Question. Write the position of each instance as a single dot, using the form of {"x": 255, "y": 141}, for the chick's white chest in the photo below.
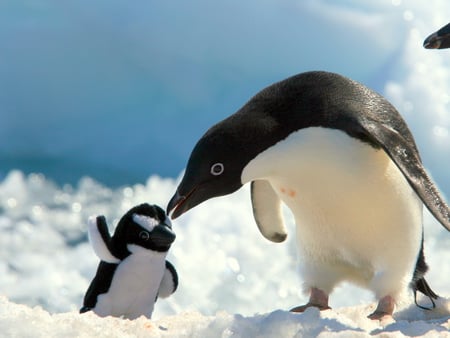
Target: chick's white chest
{"x": 135, "y": 285}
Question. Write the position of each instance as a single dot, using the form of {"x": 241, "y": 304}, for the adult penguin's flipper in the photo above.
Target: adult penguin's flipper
{"x": 407, "y": 159}
{"x": 267, "y": 211}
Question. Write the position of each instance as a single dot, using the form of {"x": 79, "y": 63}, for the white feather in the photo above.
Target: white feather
{"x": 146, "y": 222}
{"x": 357, "y": 217}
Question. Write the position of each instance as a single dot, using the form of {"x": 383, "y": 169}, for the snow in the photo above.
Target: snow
{"x": 22, "y": 321}
{"x": 233, "y": 282}
{"x": 107, "y": 92}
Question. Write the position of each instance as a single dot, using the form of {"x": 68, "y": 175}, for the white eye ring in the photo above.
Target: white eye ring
{"x": 144, "y": 235}
{"x": 217, "y": 169}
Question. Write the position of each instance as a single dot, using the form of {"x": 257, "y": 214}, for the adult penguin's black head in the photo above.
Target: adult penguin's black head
{"x": 218, "y": 162}
{"x": 439, "y": 39}
{"x": 214, "y": 168}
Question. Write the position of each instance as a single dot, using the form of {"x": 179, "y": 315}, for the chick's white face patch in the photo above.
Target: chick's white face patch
{"x": 147, "y": 222}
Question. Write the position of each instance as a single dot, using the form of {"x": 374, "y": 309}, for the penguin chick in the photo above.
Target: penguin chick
{"x": 133, "y": 271}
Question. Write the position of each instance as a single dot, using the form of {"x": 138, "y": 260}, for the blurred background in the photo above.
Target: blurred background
{"x": 120, "y": 90}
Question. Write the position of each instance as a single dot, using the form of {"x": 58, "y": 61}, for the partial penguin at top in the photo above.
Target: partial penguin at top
{"x": 343, "y": 160}
{"x": 439, "y": 39}
{"x": 133, "y": 272}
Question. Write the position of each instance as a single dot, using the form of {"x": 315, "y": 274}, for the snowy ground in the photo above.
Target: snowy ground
{"x": 232, "y": 281}
{"x": 21, "y": 321}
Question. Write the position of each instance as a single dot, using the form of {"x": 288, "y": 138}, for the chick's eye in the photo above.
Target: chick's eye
{"x": 217, "y": 169}
{"x": 144, "y": 235}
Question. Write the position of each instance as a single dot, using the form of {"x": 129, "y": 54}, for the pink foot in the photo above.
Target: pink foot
{"x": 318, "y": 299}
{"x": 384, "y": 309}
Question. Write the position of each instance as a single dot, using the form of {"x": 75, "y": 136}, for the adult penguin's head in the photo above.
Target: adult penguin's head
{"x": 439, "y": 39}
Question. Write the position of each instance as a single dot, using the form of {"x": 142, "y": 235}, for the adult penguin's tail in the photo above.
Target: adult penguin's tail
{"x": 422, "y": 286}
{"x": 419, "y": 283}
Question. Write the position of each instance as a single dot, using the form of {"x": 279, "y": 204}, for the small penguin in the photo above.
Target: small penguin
{"x": 343, "y": 160}
{"x": 439, "y": 39}
{"x": 133, "y": 271}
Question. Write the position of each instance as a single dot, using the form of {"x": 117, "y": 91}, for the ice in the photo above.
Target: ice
{"x": 85, "y": 91}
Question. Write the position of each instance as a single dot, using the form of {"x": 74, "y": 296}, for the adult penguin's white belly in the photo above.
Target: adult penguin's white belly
{"x": 357, "y": 217}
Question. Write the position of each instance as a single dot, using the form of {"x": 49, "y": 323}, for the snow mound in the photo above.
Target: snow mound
{"x": 23, "y": 321}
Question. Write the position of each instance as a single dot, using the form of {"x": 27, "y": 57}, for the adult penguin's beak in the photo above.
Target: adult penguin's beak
{"x": 439, "y": 39}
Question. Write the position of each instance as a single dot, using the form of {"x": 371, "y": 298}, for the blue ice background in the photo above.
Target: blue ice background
{"x": 121, "y": 90}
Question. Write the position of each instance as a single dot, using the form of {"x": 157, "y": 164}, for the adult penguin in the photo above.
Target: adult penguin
{"x": 439, "y": 39}
{"x": 343, "y": 160}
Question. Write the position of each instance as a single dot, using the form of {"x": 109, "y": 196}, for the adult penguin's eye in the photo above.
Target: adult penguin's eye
{"x": 144, "y": 235}
{"x": 217, "y": 169}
